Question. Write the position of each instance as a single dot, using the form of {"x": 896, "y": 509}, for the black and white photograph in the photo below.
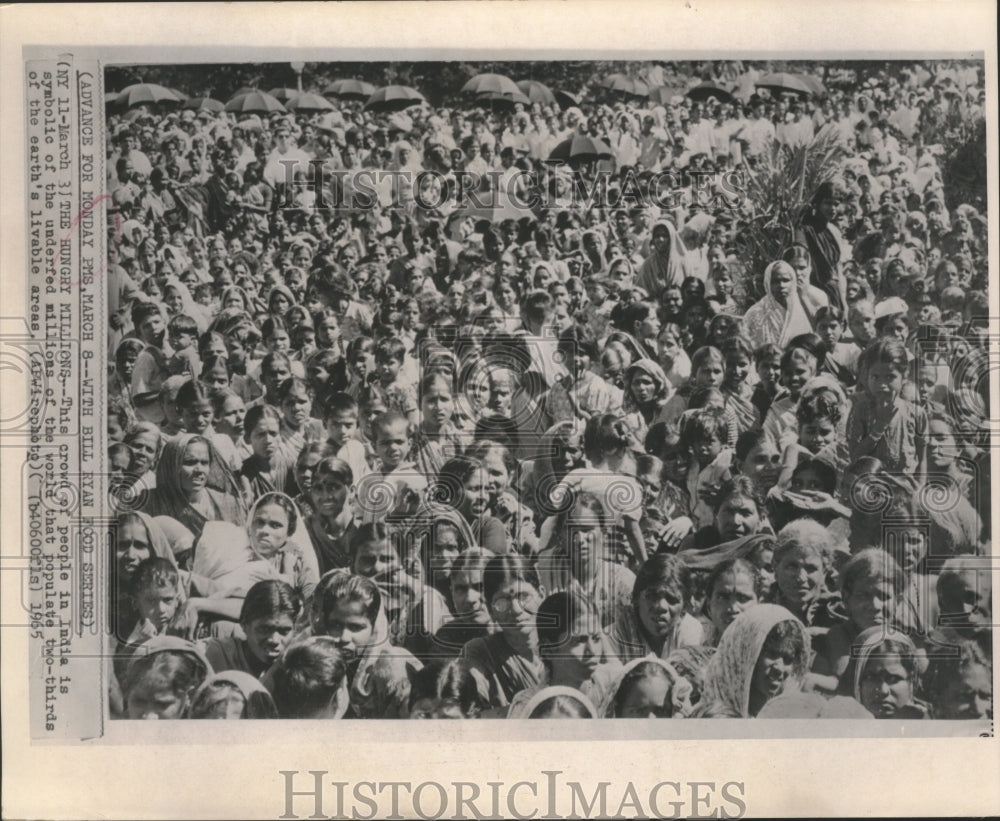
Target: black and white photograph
{"x": 505, "y": 384}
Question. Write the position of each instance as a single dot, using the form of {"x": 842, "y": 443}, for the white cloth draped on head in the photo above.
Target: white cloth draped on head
{"x": 667, "y": 267}
{"x": 729, "y": 674}
{"x": 556, "y": 691}
{"x": 767, "y": 321}
{"x": 680, "y": 687}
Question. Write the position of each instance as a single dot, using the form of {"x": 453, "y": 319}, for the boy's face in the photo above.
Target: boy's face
{"x": 392, "y": 443}
{"x": 795, "y": 375}
{"x": 158, "y": 605}
{"x": 769, "y": 370}
{"x": 341, "y": 426}
{"x": 706, "y": 448}
{"x": 816, "y": 435}
{"x": 236, "y": 350}
{"x": 388, "y": 369}
{"x": 501, "y": 391}
{"x": 152, "y": 330}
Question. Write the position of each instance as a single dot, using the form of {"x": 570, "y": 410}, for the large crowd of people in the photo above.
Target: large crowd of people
{"x": 404, "y": 422}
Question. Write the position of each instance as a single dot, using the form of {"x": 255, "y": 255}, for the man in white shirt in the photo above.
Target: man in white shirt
{"x": 285, "y": 159}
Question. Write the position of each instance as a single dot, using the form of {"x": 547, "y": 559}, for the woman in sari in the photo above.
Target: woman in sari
{"x": 666, "y": 265}
{"x": 820, "y": 236}
{"x": 763, "y": 653}
{"x": 779, "y": 316}
{"x": 194, "y": 486}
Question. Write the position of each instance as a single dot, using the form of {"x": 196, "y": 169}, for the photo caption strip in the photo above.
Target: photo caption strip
{"x": 63, "y": 526}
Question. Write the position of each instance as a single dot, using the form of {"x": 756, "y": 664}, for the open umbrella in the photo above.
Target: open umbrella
{"x": 394, "y": 98}
{"x": 625, "y": 85}
{"x": 814, "y": 83}
{"x": 567, "y": 100}
{"x": 704, "y": 91}
{"x": 255, "y": 102}
{"x": 204, "y": 104}
{"x": 495, "y": 99}
{"x": 495, "y": 83}
{"x": 349, "y": 89}
{"x": 180, "y": 95}
{"x": 537, "y": 92}
{"x": 782, "y": 82}
{"x": 144, "y": 94}
{"x": 284, "y": 94}
{"x": 110, "y": 97}
{"x": 306, "y": 101}
{"x": 580, "y": 149}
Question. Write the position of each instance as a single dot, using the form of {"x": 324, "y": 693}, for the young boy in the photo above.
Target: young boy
{"x": 400, "y": 394}
{"x": 340, "y": 419}
{"x": 703, "y": 437}
{"x": 841, "y": 357}
{"x": 275, "y": 368}
{"x": 151, "y": 365}
{"x": 183, "y": 334}
{"x": 818, "y": 414}
{"x": 798, "y": 366}
{"x": 767, "y": 360}
{"x": 407, "y": 483}
{"x": 156, "y": 595}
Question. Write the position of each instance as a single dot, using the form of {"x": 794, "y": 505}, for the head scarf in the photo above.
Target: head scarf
{"x": 664, "y": 268}
{"x": 179, "y": 538}
{"x": 552, "y": 692}
{"x": 188, "y": 306}
{"x": 170, "y": 644}
{"x": 279, "y": 288}
{"x": 223, "y": 557}
{"x": 171, "y": 498}
{"x": 159, "y": 542}
{"x": 654, "y": 372}
{"x": 730, "y": 672}
{"x": 428, "y": 516}
{"x": 680, "y": 688}
{"x": 813, "y": 705}
{"x": 767, "y": 321}
{"x": 865, "y": 645}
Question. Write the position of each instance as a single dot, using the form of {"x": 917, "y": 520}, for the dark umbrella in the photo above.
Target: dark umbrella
{"x": 144, "y": 94}
{"x": 580, "y": 149}
{"x": 623, "y": 84}
{"x": 284, "y": 94}
{"x": 537, "y": 92}
{"x": 306, "y": 101}
{"x": 783, "y": 82}
{"x": 349, "y": 89}
{"x": 255, "y": 102}
{"x": 394, "y": 98}
{"x": 567, "y": 100}
{"x": 204, "y": 104}
{"x": 494, "y": 99}
{"x": 704, "y": 91}
{"x": 493, "y": 83}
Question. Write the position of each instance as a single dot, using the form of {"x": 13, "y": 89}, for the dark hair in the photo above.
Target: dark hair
{"x": 822, "y": 403}
{"x": 747, "y": 441}
{"x": 335, "y": 403}
{"x": 282, "y": 501}
{"x": 827, "y": 473}
{"x": 152, "y": 573}
{"x": 386, "y": 420}
{"x": 191, "y": 393}
{"x": 662, "y": 568}
{"x": 555, "y": 618}
{"x": 182, "y": 324}
{"x": 742, "y": 486}
{"x": 766, "y": 352}
{"x": 785, "y": 639}
{"x": 256, "y": 415}
{"x": 257, "y": 705}
{"x": 270, "y": 597}
{"x": 734, "y": 565}
{"x": 604, "y": 433}
{"x": 644, "y": 671}
{"x": 449, "y": 681}
{"x": 308, "y": 676}
{"x": 342, "y": 585}
{"x": 449, "y": 488}
{"x": 184, "y": 671}
{"x": 506, "y": 568}
{"x": 391, "y": 348}
{"x": 578, "y": 338}
{"x": 704, "y": 423}
{"x": 886, "y": 350}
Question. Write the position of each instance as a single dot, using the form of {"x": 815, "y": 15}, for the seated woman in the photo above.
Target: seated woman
{"x": 508, "y": 661}
{"x": 883, "y": 674}
{"x": 762, "y": 654}
{"x": 573, "y": 648}
{"x": 228, "y": 561}
{"x": 656, "y": 622}
{"x": 802, "y": 553}
{"x": 194, "y": 485}
{"x": 577, "y": 560}
{"x": 738, "y": 512}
